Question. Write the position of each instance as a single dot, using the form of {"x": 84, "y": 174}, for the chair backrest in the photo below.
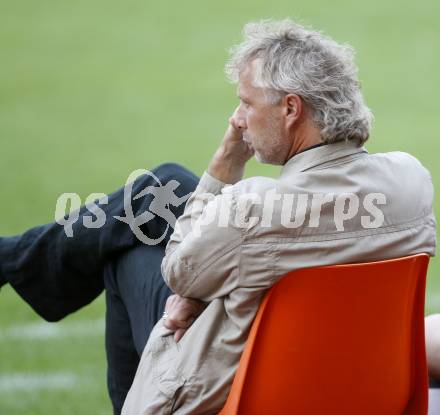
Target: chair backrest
{"x": 342, "y": 339}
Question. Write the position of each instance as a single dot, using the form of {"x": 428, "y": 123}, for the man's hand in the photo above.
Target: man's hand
{"x": 228, "y": 162}
{"x": 180, "y": 313}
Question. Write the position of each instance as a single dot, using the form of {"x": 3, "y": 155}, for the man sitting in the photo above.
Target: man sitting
{"x": 301, "y": 108}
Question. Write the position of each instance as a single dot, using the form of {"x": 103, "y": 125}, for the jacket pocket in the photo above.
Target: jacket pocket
{"x": 169, "y": 383}
{"x": 167, "y": 380}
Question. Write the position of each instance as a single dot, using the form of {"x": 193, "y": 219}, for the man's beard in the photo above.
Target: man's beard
{"x": 260, "y": 158}
{"x": 276, "y": 146}
{"x": 276, "y": 156}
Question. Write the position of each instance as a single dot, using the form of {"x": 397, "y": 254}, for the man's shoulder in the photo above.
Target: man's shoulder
{"x": 254, "y": 185}
{"x": 401, "y": 171}
{"x": 398, "y": 159}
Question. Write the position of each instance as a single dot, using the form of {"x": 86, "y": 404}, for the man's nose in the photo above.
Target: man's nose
{"x": 238, "y": 119}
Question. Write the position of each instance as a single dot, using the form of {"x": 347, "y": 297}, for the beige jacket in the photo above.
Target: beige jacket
{"x": 331, "y": 204}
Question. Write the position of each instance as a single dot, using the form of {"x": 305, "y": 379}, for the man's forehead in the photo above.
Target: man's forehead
{"x": 246, "y": 75}
{"x": 246, "y": 81}
{"x": 241, "y": 92}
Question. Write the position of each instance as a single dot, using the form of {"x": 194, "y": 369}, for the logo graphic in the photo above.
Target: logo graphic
{"x": 163, "y": 197}
{"x": 290, "y": 210}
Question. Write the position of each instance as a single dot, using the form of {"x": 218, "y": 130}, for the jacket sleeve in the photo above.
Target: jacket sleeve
{"x": 202, "y": 256}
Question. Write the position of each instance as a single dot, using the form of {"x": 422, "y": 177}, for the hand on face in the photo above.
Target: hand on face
{"x": 229, "y": 161}
{"x": 234, "y": 137}
{"x": 180, "y": 313}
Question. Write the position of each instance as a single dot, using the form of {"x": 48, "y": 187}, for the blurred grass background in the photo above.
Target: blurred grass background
{"x": 91, "y": 90}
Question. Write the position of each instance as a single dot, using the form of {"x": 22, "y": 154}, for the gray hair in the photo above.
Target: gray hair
{"x": 294, "y": 59}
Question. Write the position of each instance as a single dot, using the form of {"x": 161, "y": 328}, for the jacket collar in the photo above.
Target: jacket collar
{"x": 320, "y": 155}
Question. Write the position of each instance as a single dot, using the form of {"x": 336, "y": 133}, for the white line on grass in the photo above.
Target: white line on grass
{"x": 11, "y": 382}
{"x": 43, "y": 330}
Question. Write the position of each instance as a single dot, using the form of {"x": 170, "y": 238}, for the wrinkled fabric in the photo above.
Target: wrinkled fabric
{"x": 230, "y": 260}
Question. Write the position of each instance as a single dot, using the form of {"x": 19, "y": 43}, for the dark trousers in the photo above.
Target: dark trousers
{"x": 58, "y": 275}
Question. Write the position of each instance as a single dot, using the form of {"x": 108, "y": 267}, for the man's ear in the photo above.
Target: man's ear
{"x": 293, "y": 106}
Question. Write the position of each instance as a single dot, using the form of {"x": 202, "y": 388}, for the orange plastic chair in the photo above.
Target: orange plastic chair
{"x": 342, "y": 339}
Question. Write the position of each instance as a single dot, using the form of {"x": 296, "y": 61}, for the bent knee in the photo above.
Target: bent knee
{"x": 186, "y": 181}
{"x": 170, "y": 170}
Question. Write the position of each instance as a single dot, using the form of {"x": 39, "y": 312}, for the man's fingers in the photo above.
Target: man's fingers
{"x": 179, "y": 334}
{"x": 169, "y": 324}
{"x": 181, "y": 312}
{"x": 175, "y": 324}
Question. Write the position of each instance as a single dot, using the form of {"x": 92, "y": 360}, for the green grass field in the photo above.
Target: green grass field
{"x": 92, "y": 90}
